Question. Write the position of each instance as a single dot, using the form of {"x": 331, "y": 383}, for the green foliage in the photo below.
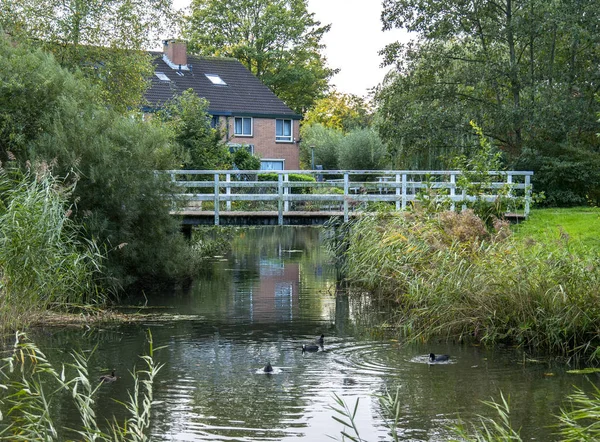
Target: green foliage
{"x": 53, "y": 116}
{"x": 524, "y": 70}
{"x": 277, "y": 40}
{"x": 203, "y": 146}
{"x": 43, "y": 260}
{"x": 568, "y": 175}
{"x": 31, "y": 415}
{"x": 477, "y": 181}
{"x": 343, "y": 112}
{"x": 491, "y": 430}
{"x": 323, "y": 143}
{"x": 105, "y": 40}
{"x": 362, "y": 149}
{"x": 294, "y": 177}
{"x": 242, "y": 159}
{"x": 447, "y": 276}
{"x": 581, "y": 423}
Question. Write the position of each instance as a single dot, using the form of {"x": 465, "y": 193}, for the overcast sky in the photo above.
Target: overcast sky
{"x": 353, "y": 41}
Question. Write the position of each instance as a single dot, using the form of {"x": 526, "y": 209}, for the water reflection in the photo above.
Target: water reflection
{"x": 276, "y": 291}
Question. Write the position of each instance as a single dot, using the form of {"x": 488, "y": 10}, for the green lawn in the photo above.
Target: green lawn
{"x": 581, "y": 224}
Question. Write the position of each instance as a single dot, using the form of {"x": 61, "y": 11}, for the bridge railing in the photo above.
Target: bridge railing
{"x": 337, "y": 191}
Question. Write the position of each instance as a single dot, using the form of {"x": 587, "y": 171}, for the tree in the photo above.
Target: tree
{"x": 187, "y": 117}
{"x": 362, "y": 149}
{"x": 526, "y": 70}
{"x": 51, "y": 117}
{"x": 105, "y": 40}
{"x": 277, "y": 40}
{"x": 339, "y": 111}
{"x": 320, "y": 145}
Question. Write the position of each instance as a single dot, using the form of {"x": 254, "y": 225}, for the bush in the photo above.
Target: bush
{"x": 362, "y": 149}
{"x": 293, "y": 177}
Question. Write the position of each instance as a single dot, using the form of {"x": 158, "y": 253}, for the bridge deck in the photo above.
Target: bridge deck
{"x": 257, "y": 218}
{"x": 271, "y": 218}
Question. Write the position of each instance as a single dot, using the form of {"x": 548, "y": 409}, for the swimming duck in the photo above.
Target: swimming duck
{"x": 268, "y": 368}
{"x": 310, "y": 348}
{"x": 108, "y": 377}
{"x": 440, "y": 358}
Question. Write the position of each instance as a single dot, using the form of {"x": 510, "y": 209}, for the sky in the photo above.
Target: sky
{"x": 353, "y": 42}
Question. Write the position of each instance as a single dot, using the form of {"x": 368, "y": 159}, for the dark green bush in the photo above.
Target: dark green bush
{"x": 294, "y": 177}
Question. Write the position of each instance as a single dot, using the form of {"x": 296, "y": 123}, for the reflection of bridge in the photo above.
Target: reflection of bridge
{"x": 308, "y": 197}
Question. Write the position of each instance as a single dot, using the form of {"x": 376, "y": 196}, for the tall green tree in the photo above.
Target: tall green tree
{"x": 104, "y": 39}
{"x": 526, "y": 70}
{"x": 277, "y": 40}
{"x": 50, "y": 116}
{"x": 187, "y": 117}
{"x": 340, "y": 111}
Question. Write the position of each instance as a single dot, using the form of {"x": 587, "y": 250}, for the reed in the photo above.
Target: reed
{"x": 32, "y": 384}
{"x": 43, "y": 260}
{"x": 581, "y": 421}
{"x": 446, "y": 275}
{"x": 488, "y": 429}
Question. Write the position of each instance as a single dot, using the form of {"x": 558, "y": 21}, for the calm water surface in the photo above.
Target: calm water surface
{"x": 274, "y": 292}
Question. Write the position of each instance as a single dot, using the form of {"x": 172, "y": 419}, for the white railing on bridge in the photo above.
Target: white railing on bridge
{"x": 343, "y": 190}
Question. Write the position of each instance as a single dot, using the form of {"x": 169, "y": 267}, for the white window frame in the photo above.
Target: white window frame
{"x": 279, "y": 160}
{"x": 242, "y": 134}
{"x": 284, "y": 138}
{"x": 216, "y": 79}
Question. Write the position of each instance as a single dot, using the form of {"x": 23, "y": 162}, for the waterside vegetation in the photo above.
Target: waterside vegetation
{"x": 446, "y": 274}
{"x": 33, "y": 385}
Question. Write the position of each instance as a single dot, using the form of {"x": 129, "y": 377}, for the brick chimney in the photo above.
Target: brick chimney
{"x": 175, "y": 51}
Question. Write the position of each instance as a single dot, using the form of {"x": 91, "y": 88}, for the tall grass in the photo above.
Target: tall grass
{"x": 446, "y": 275}
{"x": 32, "y": 385}
{"x": 43, "y": 261}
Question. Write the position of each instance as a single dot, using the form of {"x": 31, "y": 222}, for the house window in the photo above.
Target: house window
{"x": 283, "y": 130}
{"x": 243, "y": 126}
{"x": 271, "y": 164}
{"x": 214, "y": 121}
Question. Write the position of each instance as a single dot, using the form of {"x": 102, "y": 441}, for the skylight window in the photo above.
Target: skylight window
{"x": 215, "y": 79}
{"x": 161, "y": 76}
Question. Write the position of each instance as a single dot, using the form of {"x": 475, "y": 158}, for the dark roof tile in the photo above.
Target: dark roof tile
{"x": 244, "y": 94}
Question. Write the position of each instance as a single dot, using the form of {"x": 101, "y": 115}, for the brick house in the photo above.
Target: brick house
{"x": 248, "y": 112}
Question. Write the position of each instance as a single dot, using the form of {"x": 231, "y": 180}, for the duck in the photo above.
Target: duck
{"x": 268, "y": 368}
{"x": 440, "y": 358}
{"x": 108, "y": 377}
{"x": 309, "y": 348}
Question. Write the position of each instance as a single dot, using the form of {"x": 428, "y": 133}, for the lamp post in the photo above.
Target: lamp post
{"x": 312, "y": 157}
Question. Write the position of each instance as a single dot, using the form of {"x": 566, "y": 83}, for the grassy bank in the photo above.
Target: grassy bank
{"x": 581, "y": 224}
{"x": 445, "y": 274}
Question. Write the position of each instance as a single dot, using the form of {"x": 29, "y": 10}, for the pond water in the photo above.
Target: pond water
{"x": 274, "y": 292}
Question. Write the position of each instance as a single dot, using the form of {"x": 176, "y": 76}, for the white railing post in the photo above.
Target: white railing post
{"x": 228, "y": 191}
{"x": 216, "y": 195}
{"x": 346, "y": 188}
{"x": 286, "y": 191}
{"x": 398, "y": 181}
{"x": 527, "y": 194}
{"x": 452, "y": 190}
{"x": 280, "y": 199}
{"x": 404, "y": 196}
